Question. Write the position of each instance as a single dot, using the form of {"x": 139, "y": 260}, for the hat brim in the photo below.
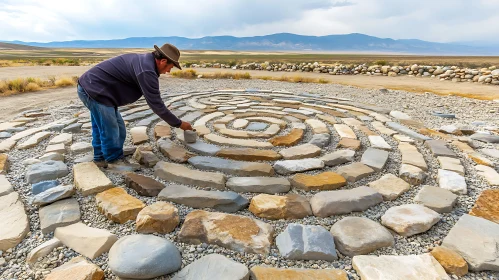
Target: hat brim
{"x": 169, "y": 58}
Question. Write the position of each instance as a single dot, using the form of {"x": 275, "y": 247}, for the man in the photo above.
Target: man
{"x": 120, "y": 81}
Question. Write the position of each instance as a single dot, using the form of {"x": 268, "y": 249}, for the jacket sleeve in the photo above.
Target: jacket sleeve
{"x": 149, "y": 84}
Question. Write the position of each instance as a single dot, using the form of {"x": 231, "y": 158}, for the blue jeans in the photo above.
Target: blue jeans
{"x": 108, "y": 129}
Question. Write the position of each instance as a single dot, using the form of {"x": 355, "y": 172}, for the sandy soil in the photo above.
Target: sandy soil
{"x": 11, "y": 105}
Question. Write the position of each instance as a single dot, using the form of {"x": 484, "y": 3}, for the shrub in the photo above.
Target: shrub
{"x": 185, "y": 74}
{"x": 323, "y": 81}
{"x": 380, "y": 62}
{"x": 17, "y": 85}
{"x": 32, "y": 87}
{"x": 3, "y": 86}
{"x": 64, "y": 82}
{"x": 300, "y": 79}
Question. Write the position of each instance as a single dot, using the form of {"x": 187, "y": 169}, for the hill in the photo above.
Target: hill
{"x": 21, "y": 47}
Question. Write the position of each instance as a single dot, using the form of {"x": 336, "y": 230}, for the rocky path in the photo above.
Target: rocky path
{"x": 284, "y": 182}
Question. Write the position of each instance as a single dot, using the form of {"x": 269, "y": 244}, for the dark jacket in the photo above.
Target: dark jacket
{"x": 123, "y": 80}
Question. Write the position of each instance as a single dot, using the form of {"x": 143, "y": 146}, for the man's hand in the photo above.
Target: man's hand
{"x": 185, "y": 126}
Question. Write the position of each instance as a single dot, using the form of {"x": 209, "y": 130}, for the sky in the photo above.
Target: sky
{"x": 443, "y": 21}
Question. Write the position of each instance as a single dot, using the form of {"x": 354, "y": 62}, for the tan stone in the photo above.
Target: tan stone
{"x": 348, "y": 143}
{"x": 248, "y": 154}
{"x": 236, "y": 142}
{"x": 274, "y": 207}
{"x": 117, "y": 205}
{"x": 238, "y": 233}
{"x": 382, "y": 128}
{"x": 411, "y": 156}
{"x": 465, "y": 148}
{"x": 366, "y": 130}
{"x": 318, "y": 127}
{"x": 301, "y": 151}
{"x": 42, "y": 250}
{"x": 328, "y": 119}
{"x": 88, "y": 241}
{"x": 479, "y": 159}
{"x": 270, "y": 273}
{"x": 173, "y": 151}
{"x": 322, "y": 181}
{"x": 34, "y": 140}
{"x": 88, "y": 178}
{"x": 139, "y": 134}
{"x": 160, "y": 217}
{"x": 487, "y": 206}
{"x": 293, "y": 137}
{"x": 162, "y": 129}
{"x": 76, "y": 269}
{"x": 14, "y": 221}
{"x": 345, "y": 131}
{"x": 182, "y": 174}
{"x": 4, "y": 163}
{"x": 451, "y": 261}
{"x": 390, "y": 186}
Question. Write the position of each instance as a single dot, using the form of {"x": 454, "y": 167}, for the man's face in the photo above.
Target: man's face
{"x": 164, "y": 67}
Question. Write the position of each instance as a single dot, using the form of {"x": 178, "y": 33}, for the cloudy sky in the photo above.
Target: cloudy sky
{"x": 430, "y": 20}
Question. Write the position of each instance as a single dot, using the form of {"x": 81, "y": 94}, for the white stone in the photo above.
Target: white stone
{"x": 400, "y": 115}
{"x": 410, "y": 219}
{"x": 452, "y": 181}
{"x": 64, "y": 138}
{"x": 379, "y": 143}
{"x": 34, "y": 140}
{"x": 240, "y": 123}
{"x": 489, "y": 173}
{"x": 81, "y": 147}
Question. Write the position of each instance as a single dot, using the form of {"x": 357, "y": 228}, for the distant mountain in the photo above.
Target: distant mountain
{"x": 19, "y": 47}
{"x": 284, "y": 42}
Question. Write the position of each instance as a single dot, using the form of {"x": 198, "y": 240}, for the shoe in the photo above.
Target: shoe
{"x": 101, "y": 163}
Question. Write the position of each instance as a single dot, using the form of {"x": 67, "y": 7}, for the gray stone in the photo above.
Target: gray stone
{"x": 412, "y": 174}
{"x": 254, "y": 126}
{"x": 338, "y": 157}
{"x": 15, "y": 223}
{"x": 58, "y": 214}
{"x": 329, "y": 203}
{"x": 43, "y": 186}
{"x": 360, "y": 236}
{"x": 86, "y": 158}
{"x": 476, "y": 240}
{"x": 301, "y": 151}
{"x": 320, "y": 140}
{"x": 410, "y": 219}
{"x": 56, "y": 127}
{"x": 52, "y": 156}
{"x": 181, "y": 174}
{"x": 407, "y": 131}
{"x": 222, "y": 201}
{"x": 5, "y": 186}
{"x": 400, "y": 115}
{"x": 53, "y": 194}
{"x": 4, "y": 135}
{"x": 213, "y": 266}
{"x": 452, "y": 181}
{"x": 239, "y": 168}
{"x": 374, "y": 158}
{"x": 47, "y": 170}
{"x": 355, "y": 171}
{"x": 379, "y": 143}
{"x": 438, "y": 148}
{"x": 305, "y": 242}
{"x": 143, "y": 256}
{"x": 488, "y": 138}
{"x": 148, "y": 121}
{"x": 270, "y": 185}
{"x": 199, "y": 147}
{"x": 42, "y": 250}
{"x": 437, "y": 199}
{"x": 444, "y": 115}
{"x": 138, "y": 115}
{"x": 73, "y": 128}
{"x": 285, "y": 167}
{"x": 81, "y": 147}
{"x": 490, "y": 152}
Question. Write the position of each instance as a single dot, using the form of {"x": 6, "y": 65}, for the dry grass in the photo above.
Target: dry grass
{"x": 185, "y": 74}
{"x": 20, "y": 85}
{"x": 65, "y": 82}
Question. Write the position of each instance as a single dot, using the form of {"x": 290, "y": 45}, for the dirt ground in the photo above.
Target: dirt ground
{"x": 11, "y": 105}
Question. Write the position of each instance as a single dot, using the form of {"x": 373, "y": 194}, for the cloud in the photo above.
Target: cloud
{"x": 57, "y": 20}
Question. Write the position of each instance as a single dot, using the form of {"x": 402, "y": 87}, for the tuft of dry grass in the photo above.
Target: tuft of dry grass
{"x": 323, "y": 81}
{"x": 32, "y": 87}
{"x": 20, "y": 85}
{"x": 64, "y": 82}
{"x": 185, "y": 74}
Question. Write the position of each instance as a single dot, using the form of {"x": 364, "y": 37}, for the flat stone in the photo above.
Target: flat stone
{"x": 160, "y": 217}
{"x": 88, "y": 241}
{"x": 56, "y": 148}
{"x": 407, "y": 131}
{"x": 162, "y": 130}
{"x": 81, "y": 147}
{"x": 403, "y": 138}
{"x": 72, "y": 128}
{"x": 42, "y": 250}
{"x": 88, "y": 178}
{"x": 240, "y": 123}
{"x": 320, "y": 140}
{"x": 400, "y": 115}
{"x": 213, "y": 266}
{"x": 12, "y": 213}
{"x": 338, "y": 157}
{"x": 118, "y": 206}
{"x": 360, "y": 236}
{"x": 301, "y": 151}
{"x": 59, "y": 214}
{"x": 329, "y": 203}
{"x": 452, "y": 181}
{"x": 326, "y": 118}
{"x": 63, "y": 138}
{"x": 490, "y": 152}
{"x": 34, "y": 140}
{"x": 437, "y": 199}
{"x": 77, "y": 268}
{"x": 382, "y": 129}
{"x": 410, "y": 219}
{"x": 489, "y": 173}
{"x": 264, "y": 273}
{"x": 451, "y": 261}
{"x": 157, "y": 256}
{"x": 248, "y": 154}
{"x": 52, "y": 156}
{"x": 292, "y": 138}
{"x": 181, "y": 174}
{"x": 43, "y": 186}
{"x": 411, "y": 267}
{"x": 285, "y": 167}
{"x": 375, "y": 158}
{"x": 147, "y": 158}
{"x": 485, "y": 236}
{"x": 486, "y": 206}
{"x": 47, "y": 170}
{"x": 379, "y": 143}
{"x": 148, "y": 121}
{"x": 443, "y": 115}
{"x": 451, "y": 164}
{"x": 53, "y": 194}
{"x": 274, "y": 207}
{"x": 318, "y": 127}
{"x": 438, "y": 148}
{"x": 390, "y": 186}
{"x": 240, "y": 168}
{"x": 306, "y": 242}
{"x": 270, "y": 185}
{"x": 220, "y": 140}
{"x": 221, "y": 201}
{"x": 322, "y": 181}
{"x": 4, "y": 135}
{"x": 412, "y": 174}
{"x": 5, "y": 186}
{"x": 173, "y": 151}
{"x": 143, "y": 185}
{"x": 481, "y": 160}
{"x": 255, "y": 126}
{"x": 238, "y": 233}
{"x": 139, "y": 135}
{"x": 344, "y": 131}
{"x": 411, "y": 155}
{"x": 348, "y": 143}
{"x": 352, "y": 122}
{"x": 450, "y": 129}
{"x": 355, "y": 171}
{"x": 487, "y": 138}
{"x": 7, "y": 145}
